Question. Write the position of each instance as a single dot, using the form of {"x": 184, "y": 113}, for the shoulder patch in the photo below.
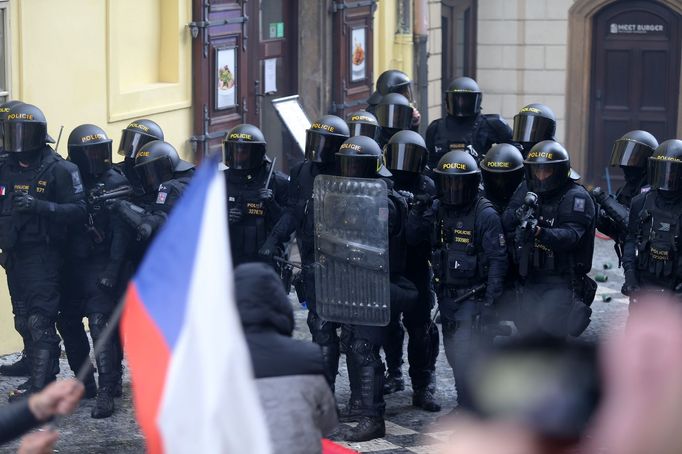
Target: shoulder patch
{"x": 503, "y": 241}
{"x": 163, "y": 188}
{"x": 76, "y": 181}
{"x": 579, "y": 204}
{"x": 161, "y": 197}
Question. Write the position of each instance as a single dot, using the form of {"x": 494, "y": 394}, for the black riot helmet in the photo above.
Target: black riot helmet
{"x": 360, "y": 157}
{"x": 394, "y": 81}
{"x": 244, "y": 148}
{"x": 25, "y": 129}
{"x": 323, "y": 139}
{"x": 501, "y": 171}
{"x": 457, "y": 178}
{"x": 547, "y": 166}
{"x": 394, "y": 112}
{"x": 156, "y": 162}
{"x": 463, "y": 98}
{"x": 665, "y": 166}
{"x": 633, "y": 149}
{"x": 4, "y": 110}
{"x": 136, "y": 135}
{"x": 363, "y": 123}
{"x": 90, "y": 149}
{"x": 534, "y": 123}
{"x": 406, "y": 153}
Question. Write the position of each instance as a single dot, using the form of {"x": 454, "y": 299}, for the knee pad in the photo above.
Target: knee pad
{"x": 21, "y": 325}
{"x": 323, "y": 332}
{"x": 364, "y": 352}
{"x": 42, "y": 329}
{"x": 97, "y": 323}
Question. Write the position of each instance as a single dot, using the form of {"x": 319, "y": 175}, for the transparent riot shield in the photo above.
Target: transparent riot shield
{"x": 351, "y": 250}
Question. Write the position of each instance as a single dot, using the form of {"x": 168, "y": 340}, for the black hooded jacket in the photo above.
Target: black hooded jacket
{"x": 268, "y": 321}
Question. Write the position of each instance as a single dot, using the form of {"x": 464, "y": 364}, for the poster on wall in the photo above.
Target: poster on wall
{"x": 358, "y": 54}
{"x": 226, "y": 78}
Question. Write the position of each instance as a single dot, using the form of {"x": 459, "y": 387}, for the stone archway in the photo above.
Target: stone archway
{"x": 579, "y": 65}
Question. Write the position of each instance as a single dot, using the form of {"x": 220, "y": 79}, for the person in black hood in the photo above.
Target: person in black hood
{"x": 289, "y": 373}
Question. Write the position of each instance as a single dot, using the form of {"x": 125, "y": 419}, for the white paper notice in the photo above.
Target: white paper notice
{"x": 270, "y": 75}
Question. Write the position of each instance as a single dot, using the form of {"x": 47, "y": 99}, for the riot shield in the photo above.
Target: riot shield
{"x": 351, "y": 250}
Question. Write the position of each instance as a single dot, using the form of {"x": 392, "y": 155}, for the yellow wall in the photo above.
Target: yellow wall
{"x": 391, "y": 50}
{"x": 101, "y": 62}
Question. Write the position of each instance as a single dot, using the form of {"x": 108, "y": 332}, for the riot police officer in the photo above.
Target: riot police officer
{"x": 533, "y": 124}
{"x": 501, "y": 172}
{"x": 631, "y": 153}
{"x": 394, "y": 114}
{"x": 469, "y": 257}
{"x": 323, "y": 139}
{"x": 394, "y": 81}
{"x": 465, "y": 126}
{"x": 163, "y": 175}
{"x": 363, "y": 123}
{"x": 406, "y": 158}
{"x": 133, "y": 137}
{"x": 552, "y": 220}
{"x": 41, "y": 194}
{"x": 96, "y": 252}
{"x": 361, "y": 157}
{"x": 256, "y": 193}
{"x": 651, "y": 256}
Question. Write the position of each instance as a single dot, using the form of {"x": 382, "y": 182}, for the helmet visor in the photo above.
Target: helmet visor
{"x": 322, "y": 148}
{"x": 24, "y": 136}
{"x": 364, "y": 129}
{"x": 359, "y": 166}
{"x": 91, "y": 159}
{"x": 243, "y": 155}
{"x": 629, "y": 154}
{"x": 153, "y": 173}
{"x": 546, "y": 177}
{"x": 533, "y": 128}
{"x": 463, "y": 103}
{"x": 132, "y": 141}
{"x": 394, "y": 116}
{"x": 501, "y": 185}
{"x": 665, "y": 175}
{"x": 407, "y": 157}
{"x": 406, "y": 91}
{"x": 458, "y": 189}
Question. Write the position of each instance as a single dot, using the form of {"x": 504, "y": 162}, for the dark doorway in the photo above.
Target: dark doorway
{"x": 244, "y": 55}
{"x": 635, "y": 79}
{"x": 458, "y": 21}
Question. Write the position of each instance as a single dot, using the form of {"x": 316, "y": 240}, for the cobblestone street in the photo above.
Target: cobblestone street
{"x": 408, "y": 430}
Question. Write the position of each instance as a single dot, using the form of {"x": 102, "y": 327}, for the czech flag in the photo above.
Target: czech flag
{"x": 192, "y": 378}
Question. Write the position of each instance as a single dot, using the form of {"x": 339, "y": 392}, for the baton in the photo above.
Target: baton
{"x": 272, "y": 168}
{"x": 59, "y": 137}
{"x": 287, "y": 262}
{"x": 457, "y": 300}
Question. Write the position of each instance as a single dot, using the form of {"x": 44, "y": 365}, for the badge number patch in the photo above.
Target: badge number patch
{"x": 579, "y": 205}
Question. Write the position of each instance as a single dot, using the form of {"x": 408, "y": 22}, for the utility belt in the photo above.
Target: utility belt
{"x": 458, "y": 268}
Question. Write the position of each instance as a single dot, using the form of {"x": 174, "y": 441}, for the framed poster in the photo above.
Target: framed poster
{"x": 358, "y": 48}
{"x": 226, "y": 78}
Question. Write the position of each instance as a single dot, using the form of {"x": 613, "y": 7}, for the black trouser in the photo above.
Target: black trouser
{"x": 84, "y": 297}
{"x": 545, "y": 304}
{"x": 33, "y": 279}
{"x": 422, "y": 347}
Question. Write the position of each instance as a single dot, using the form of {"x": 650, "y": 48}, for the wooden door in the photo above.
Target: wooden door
{"x": 458, "y": 32}
{"x": 635, "y": 79}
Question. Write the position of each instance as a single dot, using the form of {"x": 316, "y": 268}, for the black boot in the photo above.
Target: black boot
{"x": 104, "y": 405}
{"x": 394, "y": 381}
{"x": 368, "y": 428}
{"x": 371, "y": 424}
{"x": 20, "y": 368}
{"x": 42, "y": 372}
{"x": 353, "y": 410}
{"x": 330, "y": 358}
{"x": 424, "y": 399}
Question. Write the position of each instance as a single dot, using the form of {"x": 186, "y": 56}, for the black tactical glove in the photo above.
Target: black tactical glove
{"x": 265, "y": 194}
{"x": 235, "y": 215}
{"x": 268, "y": 249}
{"x": 631, "y": 284}
{"x": 26, "y": 203}
{"x": 132, "y": 214}
{"x": 109, "y": 277}
{"x": 144, "y": 231}
{"x": 408, "y": 195}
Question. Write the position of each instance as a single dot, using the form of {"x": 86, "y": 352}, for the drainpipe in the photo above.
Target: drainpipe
{"x": 421, "y": 35}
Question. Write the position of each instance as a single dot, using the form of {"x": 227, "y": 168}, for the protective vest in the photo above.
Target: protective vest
{"x": 577, "y": 261}
{"x": 658, "y": 241}
{"x": 459, "y": 261}
{"x": 248, "y": 235}
{"x": 23, "y": 227}
{"x": 458, "y": 138}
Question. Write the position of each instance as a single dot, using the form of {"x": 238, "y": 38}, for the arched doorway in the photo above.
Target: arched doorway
{"x": 635, "y": 77}
{"x": 625, "y": 76}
